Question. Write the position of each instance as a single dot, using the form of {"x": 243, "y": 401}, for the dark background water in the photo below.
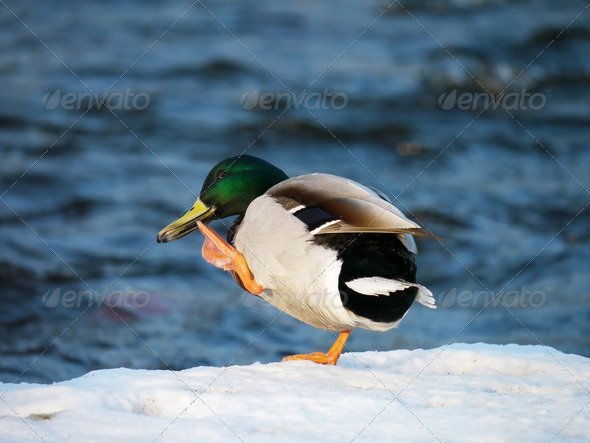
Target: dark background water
{"x": 84, "y": 192}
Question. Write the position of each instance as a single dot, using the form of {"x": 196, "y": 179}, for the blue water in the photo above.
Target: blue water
{"x": 84, "y": 192}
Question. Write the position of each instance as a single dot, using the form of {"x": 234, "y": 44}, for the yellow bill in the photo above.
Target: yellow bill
{"x": 185, "y": 224}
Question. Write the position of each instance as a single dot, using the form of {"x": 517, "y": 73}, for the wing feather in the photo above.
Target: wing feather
{"x": 358, "y": 208}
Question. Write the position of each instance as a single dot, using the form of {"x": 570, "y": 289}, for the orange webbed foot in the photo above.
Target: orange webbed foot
{"x": 220, "y": 253}
{"x": 213, "y": 255}
{"x": 325, "y": 359}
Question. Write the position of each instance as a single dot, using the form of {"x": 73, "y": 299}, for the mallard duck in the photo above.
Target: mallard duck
{"x": 326, "y": 250}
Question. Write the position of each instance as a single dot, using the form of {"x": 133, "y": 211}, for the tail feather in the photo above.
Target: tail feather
{"x": 376, "y": 286}
{"x": 425, "y": 297}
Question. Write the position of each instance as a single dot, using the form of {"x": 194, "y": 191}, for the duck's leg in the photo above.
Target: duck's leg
{"x": 325, "y": 359}
{"x": 220, "y": 253}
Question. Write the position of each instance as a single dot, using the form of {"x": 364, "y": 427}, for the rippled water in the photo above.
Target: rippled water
{"x": 87, "y": 190}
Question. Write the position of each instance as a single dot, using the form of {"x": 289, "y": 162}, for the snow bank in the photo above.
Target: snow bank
{"x": 460, "y": 393}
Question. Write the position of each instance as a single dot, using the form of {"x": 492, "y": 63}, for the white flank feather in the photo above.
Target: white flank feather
{"x": 319, "y": 228}
{"x": 408, "y": 241}
{"x": 374, "y": 286}
{"x": 296, "y": 208}
{"x": 377, "y": 285}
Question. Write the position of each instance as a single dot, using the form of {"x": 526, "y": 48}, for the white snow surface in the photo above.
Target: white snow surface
{"x": 475, "y": 392}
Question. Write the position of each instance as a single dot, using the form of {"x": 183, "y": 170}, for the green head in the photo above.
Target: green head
{"x": 228, "y": 189}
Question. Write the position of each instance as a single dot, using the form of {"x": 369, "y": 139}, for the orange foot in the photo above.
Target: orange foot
{"x": 325, "y": 359}
{"x": 220, "y": 253}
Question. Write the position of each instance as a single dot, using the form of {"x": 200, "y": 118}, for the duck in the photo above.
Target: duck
{"x": 324, "y": 249}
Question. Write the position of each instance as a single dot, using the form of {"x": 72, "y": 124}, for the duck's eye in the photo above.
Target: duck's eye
{"x": 221, "y": 174}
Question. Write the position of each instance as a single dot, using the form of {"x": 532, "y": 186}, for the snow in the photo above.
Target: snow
{"x": 457, "y": 393}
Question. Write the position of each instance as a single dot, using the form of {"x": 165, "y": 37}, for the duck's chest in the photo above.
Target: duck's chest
{"x": 299, "y": 276}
